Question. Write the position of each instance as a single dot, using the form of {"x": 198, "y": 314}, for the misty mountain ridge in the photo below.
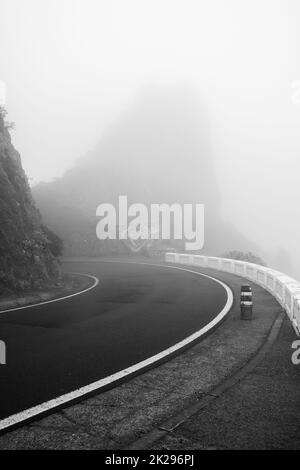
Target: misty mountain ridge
{"x": 159, "y": 151}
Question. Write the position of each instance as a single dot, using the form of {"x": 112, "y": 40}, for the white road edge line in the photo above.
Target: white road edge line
{"x": 63, "y": 399}
{"x": 96, "y": 282}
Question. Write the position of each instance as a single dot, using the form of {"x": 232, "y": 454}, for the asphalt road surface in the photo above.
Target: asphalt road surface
{"x": 135, "y": 312}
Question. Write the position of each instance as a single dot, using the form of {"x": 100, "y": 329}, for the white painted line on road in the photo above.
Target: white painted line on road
{"x": 63, "y": 399}
{"x": 96, "y": 282}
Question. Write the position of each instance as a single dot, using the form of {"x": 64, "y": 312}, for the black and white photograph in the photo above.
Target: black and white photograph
{"x": 149, "y": 228}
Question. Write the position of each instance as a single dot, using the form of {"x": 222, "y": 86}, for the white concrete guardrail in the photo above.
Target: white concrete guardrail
{"x": 284, "y": 288}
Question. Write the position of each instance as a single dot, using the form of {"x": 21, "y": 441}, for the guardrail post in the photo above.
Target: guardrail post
{"x": 246, "y": 302}
{"x": 2, "y": 353}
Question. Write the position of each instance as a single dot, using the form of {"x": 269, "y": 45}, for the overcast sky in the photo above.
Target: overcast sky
{"x": 71, "y": 66}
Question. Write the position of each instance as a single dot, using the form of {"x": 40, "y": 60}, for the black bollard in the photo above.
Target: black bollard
{"x": 246, "y": 302}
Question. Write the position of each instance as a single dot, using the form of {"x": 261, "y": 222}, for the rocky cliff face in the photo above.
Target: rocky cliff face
{"x": 25, "y": 250}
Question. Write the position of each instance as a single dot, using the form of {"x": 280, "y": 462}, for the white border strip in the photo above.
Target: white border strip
{"x": 63, "y": 399}
{"x": 96, "y": 282}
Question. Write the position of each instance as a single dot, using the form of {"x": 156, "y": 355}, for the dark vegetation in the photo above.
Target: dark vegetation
{"x": 250, "y": 257}
{"x": 28, "y": 249}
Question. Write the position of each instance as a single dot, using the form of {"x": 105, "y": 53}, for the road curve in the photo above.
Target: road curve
{"x": 135, "y": 312}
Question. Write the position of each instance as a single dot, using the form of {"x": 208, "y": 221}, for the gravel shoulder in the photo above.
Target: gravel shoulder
{"x": 69, "y": 284}
{"x": 260, "y": 412}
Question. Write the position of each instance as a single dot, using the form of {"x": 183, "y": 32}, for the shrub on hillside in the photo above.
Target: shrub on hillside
{"x": 240, "y": 255}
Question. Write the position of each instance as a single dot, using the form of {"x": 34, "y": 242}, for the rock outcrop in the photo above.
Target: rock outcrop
{"x": 26, "y": 260}
{"x": 159, "y": 151}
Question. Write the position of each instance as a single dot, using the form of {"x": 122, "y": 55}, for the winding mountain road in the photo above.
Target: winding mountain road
{"x": 135, "y": 312}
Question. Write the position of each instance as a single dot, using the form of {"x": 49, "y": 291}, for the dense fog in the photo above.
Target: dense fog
{"x": 193, "y": 100}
